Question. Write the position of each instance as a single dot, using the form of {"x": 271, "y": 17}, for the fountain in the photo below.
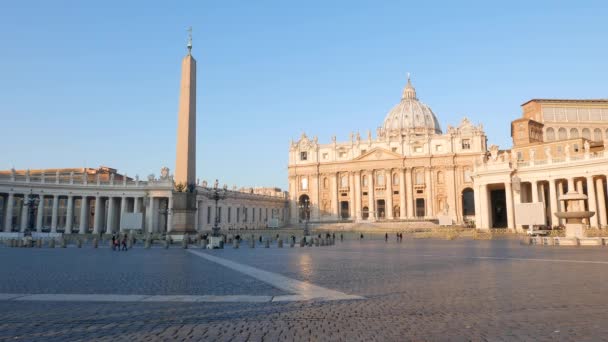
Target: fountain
{"x": 575, "y": 213}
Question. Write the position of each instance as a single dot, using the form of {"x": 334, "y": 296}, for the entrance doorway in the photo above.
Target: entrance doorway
{"x": 420, "y": 207}
{"x": 344, "y": 212}
{"x": 381, "y": 209}
{"x": 499, "y": 209}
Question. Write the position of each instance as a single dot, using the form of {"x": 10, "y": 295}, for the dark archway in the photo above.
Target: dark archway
{"x": 365, "y": 213}
{"x": 304, "y": 206}
{"x": 344, "y": 210}
{"x": 468, "y": 202}
{"x": 499, "y": 209}
{"x": 380, "y": 204}
{"x": 420, "y": 207}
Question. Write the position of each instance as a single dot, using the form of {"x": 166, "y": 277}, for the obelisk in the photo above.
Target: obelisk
{"x": 184, "y": 194}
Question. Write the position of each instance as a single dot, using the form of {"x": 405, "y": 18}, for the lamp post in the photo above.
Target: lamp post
{"x": 216, "y": 194}
{"x": 166, "y": 211}
{"x": 305, "y": 212}
{"x": 32, "y": 203}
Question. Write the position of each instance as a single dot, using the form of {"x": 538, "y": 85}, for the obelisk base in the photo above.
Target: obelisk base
{"x": 184, "y": 213}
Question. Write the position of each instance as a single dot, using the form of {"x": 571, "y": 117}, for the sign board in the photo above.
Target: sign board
{"x": 531, "y": 214}
{"x": 132, "y": 221}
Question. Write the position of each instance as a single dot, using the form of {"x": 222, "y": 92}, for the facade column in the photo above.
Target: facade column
{"x": 409, "y": 200}
{"x": 534, "y": 191}
{"x": 516, "y": 200}
{"x": 485, "y": 218}
{"x": 8, "y": 216}
{"x": 553, "y": 201}
{"x": 198, "y": 213}
{"x": 136, "y": 205}
{"x": 170, "y": 213}
{"x": 69, "y": 217}
{"x": 150, "y": 213}
{"x": 593, "y": 220}
{"x": 54, "y": 214}
{"x": 82, "y": 229}
{"x": 389, "y": 193}
{"x": 110, "y": 220}
{"x": 335, "y": 204}
{"x": 402, "y": 205}
{"x": 351, "y": 193}
{"x": 24, "y": 214}
{"x": 370, "y": 197}
{"x": 429, "y": 196}
{"x": 601, "y": 202}
{"x": 579, "y": 189}
{"x": 123, "y": 211}
{"x": 510, "y": 211}
{"x": 40, "y": 213}
{"x": 357, "y": 196}
{"x": 98, "y": 217}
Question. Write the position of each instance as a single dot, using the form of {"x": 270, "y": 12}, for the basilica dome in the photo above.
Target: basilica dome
{"x": 410, "y": 115}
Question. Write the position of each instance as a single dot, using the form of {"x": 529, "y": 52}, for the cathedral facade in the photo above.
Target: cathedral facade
{"x": 411, "y": 170}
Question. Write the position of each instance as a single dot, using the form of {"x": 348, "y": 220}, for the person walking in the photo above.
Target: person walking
{"x": 124, "y": 242}
{"x": 341, "y": 237}
{"x": 385, "y": 237}
{"x": 113, "y": 242}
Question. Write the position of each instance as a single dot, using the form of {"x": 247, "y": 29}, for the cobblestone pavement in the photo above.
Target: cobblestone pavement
{"x": 418, "y": 290}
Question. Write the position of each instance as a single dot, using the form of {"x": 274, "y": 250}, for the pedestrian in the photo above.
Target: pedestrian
{"x": 113, "y": 242}
{"x": 333, "y": 236}
{"x": 361, "y": 237}
{"x": 117, "y": 244}
{"x": 341, "y": 237}
{"x": 385, "y": 237}
{"x": 260, "y": 238}
{"x": 124, "y": 242}
{"x": 400, "y": 237}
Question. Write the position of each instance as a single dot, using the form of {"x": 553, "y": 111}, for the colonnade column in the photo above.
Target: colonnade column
{"x": 370, "y": 197}
{"x": 24, "y": 214}
{"x": 150, "y": 214}
{"x": 54, "y": 214}
{"x": 484, "y": 219}
{"x": 357, "y": 196}
{"x": 409, "y": 199}
{"x": 8, "y": 216}
{"x": 516, "y": 201}
{"x": 534, "y": 191}
{"x": 579, "y": 189}
{"x": 389, "y": 194}
{"x": 402, "y": 205}
{"x": 601, "y": 202}
{"x": 429, "y": 196}
{"x": 123, "y": 210}
{"x": 170, "y": 213}
{"x": 593, "y": 220}
{"x": 136, "y": 205}
{"x": 40, "y": 213}
{"x": 110, "y": 219}
{"x": 510, "y": 211}
{"x": 69, "y": 216}
{"x": 83, "y": 215}
{"x": 553, "y": 202}
{"x": 97, "y": 218}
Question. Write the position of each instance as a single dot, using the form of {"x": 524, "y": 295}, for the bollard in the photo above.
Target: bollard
{"x": 267, "y": 244}
{"x": 52, "y": 243}
{"x": 95, "y": 243}
{"x": 280, "y": 243}
{"x": 39, "y": 243}
{"x": 235, "y": 244}
{"x": 63, "y": 243}
{"x": 79, "y": 243}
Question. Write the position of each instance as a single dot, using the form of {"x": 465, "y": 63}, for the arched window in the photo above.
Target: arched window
{"x": 573, "y": 133}
{"x": 597, "y": 134}
{"x": 440, "y": 177}
{"x": 550, "y": 134}
{"x": 364, "y": 180}
{"x": 380, "y": 178}
{"x": 586, "y": 133}
{"x": 325, "y": 183}
{"x": 304, "y": 183}
{"x": 561, "y": 134}
{"x": 395, "y": 179}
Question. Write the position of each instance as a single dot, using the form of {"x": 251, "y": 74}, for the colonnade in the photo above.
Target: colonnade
{"x": 547, "y": 191}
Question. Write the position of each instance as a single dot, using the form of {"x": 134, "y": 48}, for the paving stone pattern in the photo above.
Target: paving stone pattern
{"x": 420, "y": 290}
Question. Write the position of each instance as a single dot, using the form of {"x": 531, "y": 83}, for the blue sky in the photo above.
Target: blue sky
{"x": 87, "y": 83}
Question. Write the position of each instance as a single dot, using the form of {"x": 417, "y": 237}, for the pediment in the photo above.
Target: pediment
{"x": 378, "y": 154}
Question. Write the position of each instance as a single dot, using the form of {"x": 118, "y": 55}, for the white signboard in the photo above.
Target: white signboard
{"x": 531, "y": 214}
{"x": 132, "y": 221}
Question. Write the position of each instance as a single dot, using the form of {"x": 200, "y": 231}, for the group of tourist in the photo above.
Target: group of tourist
{"x": 119, "y": 244}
